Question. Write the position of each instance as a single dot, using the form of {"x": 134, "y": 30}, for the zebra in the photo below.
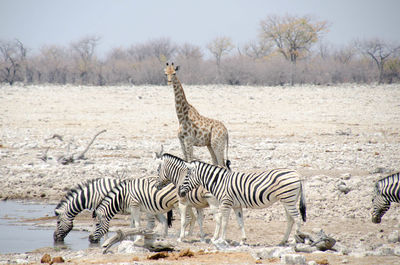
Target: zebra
{"x": 173, "y": 169}
{"x": 85, "y": 196}
{"x": 249, "y": 190}
{"x": 137, "y": 194}
{"x": 386, "y": 190}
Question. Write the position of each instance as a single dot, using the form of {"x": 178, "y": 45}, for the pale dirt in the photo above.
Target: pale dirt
{"x": 346, "y": 134}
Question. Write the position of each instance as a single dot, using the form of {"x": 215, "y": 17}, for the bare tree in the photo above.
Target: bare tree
{"x": 292, "y": 36}
{"x": 219, "y": 47}
{"x": 85, "y": 56}
{"x": 13, "y": 56}
{"x": 379, "y": 51}
{"x": 257, "y": 49}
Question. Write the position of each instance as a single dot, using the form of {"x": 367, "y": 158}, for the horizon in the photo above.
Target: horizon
{"x": 125, "y": 23}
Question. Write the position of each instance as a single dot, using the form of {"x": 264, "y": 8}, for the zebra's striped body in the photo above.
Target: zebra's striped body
{"x": 137, "y": 194}
{"x": 386, "y": 190}
{"x": 85, "y": 196}
{"x": 248, "y": 190}
{"x": 173, "y": 169}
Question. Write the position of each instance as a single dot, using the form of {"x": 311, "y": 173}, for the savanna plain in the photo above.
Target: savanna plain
{"x": 340, "y": 138}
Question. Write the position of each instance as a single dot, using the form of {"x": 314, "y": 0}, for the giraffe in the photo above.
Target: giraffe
{"x": 195, "y": 129}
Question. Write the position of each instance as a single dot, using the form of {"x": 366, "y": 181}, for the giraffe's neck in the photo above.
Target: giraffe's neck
{"x": 181, "y": 104}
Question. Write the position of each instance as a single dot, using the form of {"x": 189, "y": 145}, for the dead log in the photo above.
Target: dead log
{"x": 150, "y": 241}
{"x": 68, "y": 159}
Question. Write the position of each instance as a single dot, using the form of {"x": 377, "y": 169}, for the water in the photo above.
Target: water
{"x": 19, "y": 236}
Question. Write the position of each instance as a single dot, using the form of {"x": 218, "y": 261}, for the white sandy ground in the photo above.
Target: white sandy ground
{"x": 333, "y": 135}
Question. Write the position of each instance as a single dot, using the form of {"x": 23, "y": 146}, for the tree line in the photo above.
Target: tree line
{"x": 288, "y": 50}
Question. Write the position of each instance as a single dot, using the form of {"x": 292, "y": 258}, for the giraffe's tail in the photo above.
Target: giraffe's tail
{"x": 228, "y": 162}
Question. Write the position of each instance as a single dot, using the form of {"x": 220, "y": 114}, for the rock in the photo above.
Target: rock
{"x": 271, "y": 252}
{"x": 58, "y": 260}
{"x": 293, "y": 259}
{"x": 159, "y": 255}
{"x": 385, "y": 251}
{"x": 186, "y": 253}
{"x": 394, "y": 237}
{"x": 46, "y": 258}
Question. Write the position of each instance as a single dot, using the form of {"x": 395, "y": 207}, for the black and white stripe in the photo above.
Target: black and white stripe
{"x": 85, "y": 196}
{"x": 386, "y": 190}
{"x": 173, "y": 169}
{"x": 248, "y": 190}
{"x": 136, "y": 194}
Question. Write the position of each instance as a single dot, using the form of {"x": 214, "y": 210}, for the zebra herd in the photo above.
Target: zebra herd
{"x": 198, "y": 185}
{"x": 191, "y": 185}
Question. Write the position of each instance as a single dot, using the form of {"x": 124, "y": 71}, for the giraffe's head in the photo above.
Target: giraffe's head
{"x": 170, "y": 71}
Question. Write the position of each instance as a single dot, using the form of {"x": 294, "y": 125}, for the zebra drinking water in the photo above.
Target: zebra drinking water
{"x": 137, "y": 194}
{"x": 249, "y": 190}
{"x": 386, "y": 190}
{"x": 84, "y": 196}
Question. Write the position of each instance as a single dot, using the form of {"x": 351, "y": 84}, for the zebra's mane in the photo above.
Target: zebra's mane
{"x": 394, "y": 177}
{"x": 72, "y": 192}
{"x": 173, "y": 157}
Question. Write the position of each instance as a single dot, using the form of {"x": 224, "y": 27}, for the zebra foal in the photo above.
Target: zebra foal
{"x": 249, "y": 190}
{"x": 386, "y": 190}
{"x": 136, "y": 194}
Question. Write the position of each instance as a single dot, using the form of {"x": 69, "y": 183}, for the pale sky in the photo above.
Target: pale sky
{"x": 125, "y": 22}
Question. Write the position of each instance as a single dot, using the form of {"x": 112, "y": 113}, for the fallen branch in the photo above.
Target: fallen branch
{"x": 149, "y": 242}
{"x": 82, "y": 155}
{"x": 68, "y": 159}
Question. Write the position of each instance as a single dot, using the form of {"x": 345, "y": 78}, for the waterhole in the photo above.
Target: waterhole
{"x": 26, "y": 226}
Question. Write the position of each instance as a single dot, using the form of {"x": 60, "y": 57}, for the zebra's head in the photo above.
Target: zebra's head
{"x": 191, "y": 180}
{"x": 379, "y": 207}
{"x": 64, "y": 226}
{"x": 102, "y": 226}
{"x": 170, "y": 169}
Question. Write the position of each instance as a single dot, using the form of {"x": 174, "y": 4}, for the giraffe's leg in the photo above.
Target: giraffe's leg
{"x": 182, "y": 142}
{"x": 189, "y": 148}
{"x": 213, "y": 157}
{"x": 218, "y": 146}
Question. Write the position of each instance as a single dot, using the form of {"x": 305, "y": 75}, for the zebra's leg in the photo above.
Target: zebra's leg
{"x": 290, "y": 222}
{"x": 200, "y": 218}
{"x": 192, "y": 221}
{"x": 225, "y": 211}
{"x": 164, "y": 223}
{"x": 151, "y": 223}
{"x": 183, "y": 211}
{"x": 214, "y": 207}
{"x": 135, "y": 220}
{"x": 239, "y": 218}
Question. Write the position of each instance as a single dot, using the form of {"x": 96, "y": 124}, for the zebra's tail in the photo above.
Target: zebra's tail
{"x": 302, "y": 204}
{"x": 170, "y": 218}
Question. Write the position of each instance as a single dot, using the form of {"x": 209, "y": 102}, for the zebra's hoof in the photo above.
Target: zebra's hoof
{"x": 93, "y": 240}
